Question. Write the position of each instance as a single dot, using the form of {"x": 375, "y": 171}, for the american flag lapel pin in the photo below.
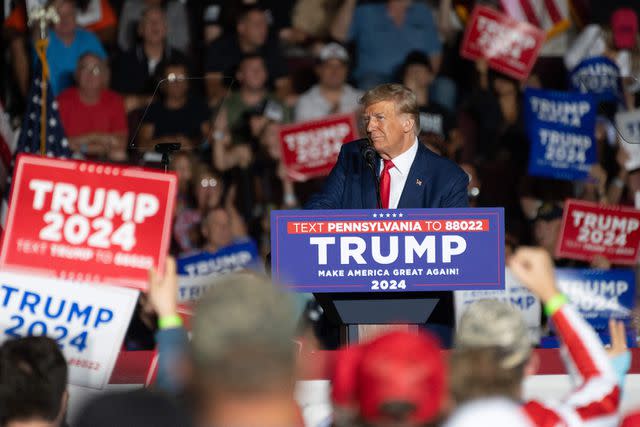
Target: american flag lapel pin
{"x": 419, "y": 182}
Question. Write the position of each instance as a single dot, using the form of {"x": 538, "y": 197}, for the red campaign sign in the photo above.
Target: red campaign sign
{"x": 510, "y": 47}
{"x": 88, "y": 221}
{"x": 589, "y": 229}
{"x": 310, "y": 149}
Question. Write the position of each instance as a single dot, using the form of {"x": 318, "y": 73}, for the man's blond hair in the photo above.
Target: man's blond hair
{"x": 404, "y": 99}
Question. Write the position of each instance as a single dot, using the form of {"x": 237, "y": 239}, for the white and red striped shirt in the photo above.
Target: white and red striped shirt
{"x": 595, "y": 399}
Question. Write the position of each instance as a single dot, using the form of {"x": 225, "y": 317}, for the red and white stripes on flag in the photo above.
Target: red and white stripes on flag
{"x": 552, "y": 16}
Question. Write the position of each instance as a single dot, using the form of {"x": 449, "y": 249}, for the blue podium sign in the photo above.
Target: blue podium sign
{"x": 388, "y": 250}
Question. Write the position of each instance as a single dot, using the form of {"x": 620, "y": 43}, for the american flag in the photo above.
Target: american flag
{"x": 29, "y": 141}
{"x": 552, "y": 16}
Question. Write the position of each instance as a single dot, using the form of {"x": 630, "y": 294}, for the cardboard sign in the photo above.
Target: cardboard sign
{"x": 514, "y": 294}
{"x": 589, "y": 229}
{"x": 310, "y": 149}
{"x": 87, "y": 321}
{"x": 388, "y": 250}
{"x": 628, "y": 127}
{"x": 197, "y": 271}
{"x": 599, "y": 76}
{"x": 561, "y": 130}
{"x": 510, "y": 47}
{"x": 88, "y": 221}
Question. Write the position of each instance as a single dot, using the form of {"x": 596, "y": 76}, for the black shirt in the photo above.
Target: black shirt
{"x": 224, "y": 54}
{"x": 434, "y": 118}
{"x": 131, "y": 71}
{"x": 185, "y": 121}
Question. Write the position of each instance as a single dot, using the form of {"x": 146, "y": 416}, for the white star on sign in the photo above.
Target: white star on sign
{"x": 400, "y": 215}
{"x": 394, "y": 215}
{"x": 375, "y": 215}
{"x": 388, "y": 215}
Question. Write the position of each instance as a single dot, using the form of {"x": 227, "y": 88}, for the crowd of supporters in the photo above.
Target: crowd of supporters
{"x": 219, "y": 78}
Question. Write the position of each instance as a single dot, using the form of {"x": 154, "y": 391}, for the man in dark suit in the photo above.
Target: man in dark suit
{"x": 410, "y": 175}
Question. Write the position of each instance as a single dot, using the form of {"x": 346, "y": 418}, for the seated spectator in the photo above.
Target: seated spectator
{"x": 93, "y": 117}
{"x": 437, "y": 125}
{"x": 179, "y": 116}
{"x": 207, "y": 189}
{"x": 252, "y": 104}
{"x": 493, "y": 353}
{"x": 178, "y": 32}
{"x": 398, "y": 379}
{"x": 384, "y": 34}
{"x": 67, "y": 43}
{"x": 137, "y": 72}
{"x": 242, "y": 351}
{"x": 332, "y": 95}
{"x": 251, "y": 37}
{"x": 33, "y": 383}
{"x": 102, "y": 22}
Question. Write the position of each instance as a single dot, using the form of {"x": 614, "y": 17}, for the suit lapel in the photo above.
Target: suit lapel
{"x": 413, "y": 193}
{"x": 369, "y": 198}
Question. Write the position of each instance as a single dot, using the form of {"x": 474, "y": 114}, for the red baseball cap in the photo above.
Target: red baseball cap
{"x": 624, "y": 26}
{"x": 396, "y": 368}
{"x": 631, "y": 420}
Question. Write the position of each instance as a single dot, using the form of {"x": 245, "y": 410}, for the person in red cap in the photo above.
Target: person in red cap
{"x": 397, "y": 379}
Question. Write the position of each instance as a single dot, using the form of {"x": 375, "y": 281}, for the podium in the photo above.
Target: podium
{"x": 354, "y": 312}
{"x": 387, "y": 267}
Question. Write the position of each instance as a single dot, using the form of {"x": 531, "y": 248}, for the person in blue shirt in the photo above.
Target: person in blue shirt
{"x": 384, "y": 34}
{"x": 67, "y": 43}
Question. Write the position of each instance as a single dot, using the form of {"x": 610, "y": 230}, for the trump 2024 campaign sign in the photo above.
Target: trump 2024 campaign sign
{"x": 87, "y": 221}
{"x": 509, "y": 46}
{"x": 310, "y": 149}
{"x": 87, "y": 321}
{"x": 388, "y": 250}
{"x": 561, "y": 129}
{"x": 589, "y": 229}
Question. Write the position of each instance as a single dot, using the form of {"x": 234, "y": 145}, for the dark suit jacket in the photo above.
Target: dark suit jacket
{"x": 433, "y": 182}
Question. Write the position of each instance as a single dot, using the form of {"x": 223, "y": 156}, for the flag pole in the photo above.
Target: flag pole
{"x": 43, "y": 16}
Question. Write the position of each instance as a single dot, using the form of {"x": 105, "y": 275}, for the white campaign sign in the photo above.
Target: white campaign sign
{"x": 87, "y": 321}
{"x": 515, "y": 294}
{"x": 628, "y": 126}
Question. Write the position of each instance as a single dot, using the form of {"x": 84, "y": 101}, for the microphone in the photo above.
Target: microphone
{"x": 370, "y": 156}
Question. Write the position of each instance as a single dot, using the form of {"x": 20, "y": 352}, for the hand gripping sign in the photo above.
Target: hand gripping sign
{"x": 87, "y": 321}
{"x": 88, "y": 221}
{"x": 388, "y": 250}
{"x": 310, "y": 149}
{"x": 561, "y": 128}
{"x": 510, "y": 47}
{"x": 589, "y": 229}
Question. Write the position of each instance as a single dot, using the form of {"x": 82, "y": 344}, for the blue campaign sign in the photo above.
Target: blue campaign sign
{"x": 195, "y": 271}
{"x": 599, "y": 76}
{"x": 388, "y": 250}
{"x": 599, "y": 294}
{"x": 561, "y": 130}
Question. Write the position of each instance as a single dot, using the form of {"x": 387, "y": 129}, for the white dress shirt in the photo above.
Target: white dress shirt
{"x": 399, "y": 173}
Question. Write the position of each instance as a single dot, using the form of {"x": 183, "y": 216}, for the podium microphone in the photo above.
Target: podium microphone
{"x": 371, "y": 156}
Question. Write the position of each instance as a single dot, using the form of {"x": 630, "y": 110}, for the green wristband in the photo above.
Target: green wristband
{"x": 169, "y": 322}
{"x": 554, "y": 304}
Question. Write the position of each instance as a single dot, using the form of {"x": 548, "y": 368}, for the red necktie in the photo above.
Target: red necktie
{"x": 385, "y": 183}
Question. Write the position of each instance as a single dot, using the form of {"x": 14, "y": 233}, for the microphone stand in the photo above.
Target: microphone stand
{"x": 369, "y": 154}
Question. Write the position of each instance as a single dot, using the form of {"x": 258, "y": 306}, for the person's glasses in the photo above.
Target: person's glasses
{"x": 96, "y": 70}
{"x": 173, "y": 77}
{"x": 208, "y": 182}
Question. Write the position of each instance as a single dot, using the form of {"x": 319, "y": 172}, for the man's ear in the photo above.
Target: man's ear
{"x": 408, "y": 124}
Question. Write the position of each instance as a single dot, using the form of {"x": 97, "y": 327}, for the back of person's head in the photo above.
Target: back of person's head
{"x": 33, "y": 381}
{"x": 139, "y": 408}
{"x": 492, "y": 349}
{"x": 242, "y": 342}
{"x": 398, "y": 378}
